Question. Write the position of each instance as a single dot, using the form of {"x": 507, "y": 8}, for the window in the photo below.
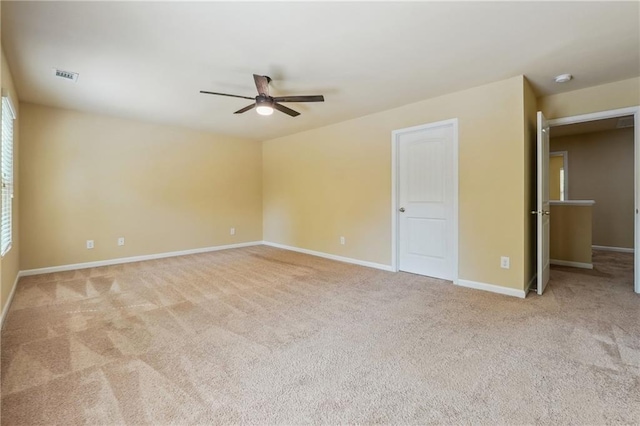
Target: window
{"x": 6, "y": 166}
{"x": 558, "y": 175}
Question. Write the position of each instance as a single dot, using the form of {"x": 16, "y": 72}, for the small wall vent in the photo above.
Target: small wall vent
{"x": 624, "y": 122}
{"x": 67, "y": 75}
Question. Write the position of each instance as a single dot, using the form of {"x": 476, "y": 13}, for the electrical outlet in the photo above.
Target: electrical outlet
{"x": 343, "y": 241}
{"x": 232, "y": 231}
{"x": 504, "y": 262}
{"x": 121, "y": 241}
{"x": 89, "y": 244}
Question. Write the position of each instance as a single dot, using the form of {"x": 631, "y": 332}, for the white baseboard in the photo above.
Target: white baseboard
{"x": 493, "y": 288}
{"x": 117, "y": 261}
{"x": 7, "y": 305}
{"x": 618, "y": 249}
{"x": 572, "y": 264}
{"x": 331, "y": 256}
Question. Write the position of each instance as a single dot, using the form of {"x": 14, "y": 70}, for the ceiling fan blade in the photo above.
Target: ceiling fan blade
{"x": 302, "y": 98}
{"x": 286, "y": 110}
{"x": 262, "y": 84}
{"x": 225, "y": 94}
{"x": 245, "y": 109}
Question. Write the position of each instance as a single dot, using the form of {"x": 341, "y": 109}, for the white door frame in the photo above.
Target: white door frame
{"x": 635, "y": 111}
{"x": 395, "y": 192}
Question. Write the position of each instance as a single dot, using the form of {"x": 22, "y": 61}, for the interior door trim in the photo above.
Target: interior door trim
{"x": 395, "y": 193}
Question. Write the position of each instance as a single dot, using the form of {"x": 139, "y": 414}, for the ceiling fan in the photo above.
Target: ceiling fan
{"x": 265, "y": 104}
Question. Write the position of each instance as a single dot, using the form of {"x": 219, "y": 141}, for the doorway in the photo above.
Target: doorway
{"x": 425, "y": 200}
{"x": 599, "y": 195}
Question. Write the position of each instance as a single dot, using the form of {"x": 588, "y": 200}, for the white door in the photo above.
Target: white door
{"x": 543, "y": 203}
{"x": 426, "y": 200}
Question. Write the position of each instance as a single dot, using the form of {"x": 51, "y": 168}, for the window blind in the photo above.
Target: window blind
{"x": 6, "y": 172}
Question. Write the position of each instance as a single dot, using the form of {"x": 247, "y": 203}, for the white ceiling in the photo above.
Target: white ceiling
{"x": 148, "y": 60}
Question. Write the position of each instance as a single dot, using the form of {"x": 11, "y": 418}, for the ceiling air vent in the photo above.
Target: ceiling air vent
{"x": 67, "y": 75}
{"x": 625, "y": 122}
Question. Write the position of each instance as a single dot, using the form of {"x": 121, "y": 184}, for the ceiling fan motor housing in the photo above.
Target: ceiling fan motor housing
{"x": 262, "y": 100}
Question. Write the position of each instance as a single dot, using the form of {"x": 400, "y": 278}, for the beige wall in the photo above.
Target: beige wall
{"x": 530, "y": 182}
{"x": 10, "y": 263}
{"x": 336, "y": 181}
{"x": 620, "y": 94}
{"x": 601, "y": 169}
{"x": 570, "y": 233}
{"x": 86, "y": 176}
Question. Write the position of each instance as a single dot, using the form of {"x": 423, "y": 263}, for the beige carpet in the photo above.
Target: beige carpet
{"x": 265, "y": 336}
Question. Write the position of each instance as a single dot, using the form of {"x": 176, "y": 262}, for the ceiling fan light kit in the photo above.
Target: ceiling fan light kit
{"x": 265, "y": 104}
{"x": 264, "y": 110}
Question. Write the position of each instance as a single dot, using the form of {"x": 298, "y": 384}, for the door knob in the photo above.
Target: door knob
{"x": 547, "y": 212}
{"x": 401, "y": 209}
